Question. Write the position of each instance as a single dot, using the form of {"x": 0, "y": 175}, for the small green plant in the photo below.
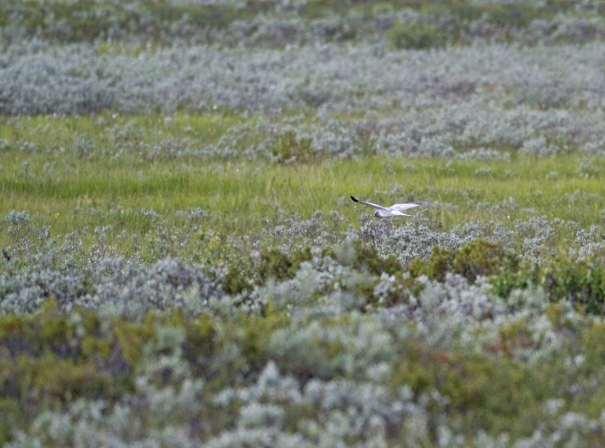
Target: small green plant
{"x": 416, "y": 36}
{"x": 291, "y": 148}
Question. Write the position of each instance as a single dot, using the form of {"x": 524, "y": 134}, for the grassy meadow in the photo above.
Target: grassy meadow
{"x": 68, "y": 190}
{"x": 181, "y": 264}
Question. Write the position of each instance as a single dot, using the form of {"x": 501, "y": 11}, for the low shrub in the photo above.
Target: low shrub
{"x": 275, "y": 264}
{"x": 481, "y": 258}
{"x": 436, "y": 266}
{"x": 291, "y": 148}
{"x": 581, "y": 283}
{"x": 86, "y": 20}
{"x": 237, "y": 279}
{"x": 515, "y": 15}
{"x": 478, "y": 258}
{"x": 416, "y": 36}
{"x": 502, "y": 388}
{"x": 367, "y": 258}
{"x": 506, "y": 281}
{"x": 12, "y": 416}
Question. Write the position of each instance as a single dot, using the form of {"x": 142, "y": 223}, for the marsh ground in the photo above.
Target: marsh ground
{"x": 181, "y": 263}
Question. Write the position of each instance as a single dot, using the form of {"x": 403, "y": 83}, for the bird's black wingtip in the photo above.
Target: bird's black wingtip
{"x": 354, "y": 199}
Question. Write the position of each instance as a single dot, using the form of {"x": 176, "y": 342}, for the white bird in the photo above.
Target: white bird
{"x": 388, "y": 212}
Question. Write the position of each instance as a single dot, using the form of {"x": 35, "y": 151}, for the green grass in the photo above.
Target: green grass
{"x": 58, "y": 189}
{"x": 80, "y": 173}
{"x": 108, "y": 131}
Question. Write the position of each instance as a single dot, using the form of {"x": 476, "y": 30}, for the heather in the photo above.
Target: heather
{"x": 181, "y": 264}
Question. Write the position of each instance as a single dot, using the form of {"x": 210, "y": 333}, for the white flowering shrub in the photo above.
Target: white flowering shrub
{"x": 114, "y": 285}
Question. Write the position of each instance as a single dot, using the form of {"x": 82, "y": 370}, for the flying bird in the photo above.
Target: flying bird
{"x": 388, "y": 212}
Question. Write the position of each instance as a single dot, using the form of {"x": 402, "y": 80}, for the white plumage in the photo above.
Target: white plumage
{"x": 387, "y": 212}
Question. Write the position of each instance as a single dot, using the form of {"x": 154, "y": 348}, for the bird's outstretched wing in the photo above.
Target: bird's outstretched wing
{"x": 376, "y": 206}
{"x": 403, "y": 207}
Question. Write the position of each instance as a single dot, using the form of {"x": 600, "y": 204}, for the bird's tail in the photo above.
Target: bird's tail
{"x": 354, "y": 199}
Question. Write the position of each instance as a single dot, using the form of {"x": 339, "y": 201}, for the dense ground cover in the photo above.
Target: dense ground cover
{"x": 181, "y": 263}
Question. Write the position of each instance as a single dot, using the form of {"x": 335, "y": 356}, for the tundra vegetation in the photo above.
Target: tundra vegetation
{"x": 181, "y": 264}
